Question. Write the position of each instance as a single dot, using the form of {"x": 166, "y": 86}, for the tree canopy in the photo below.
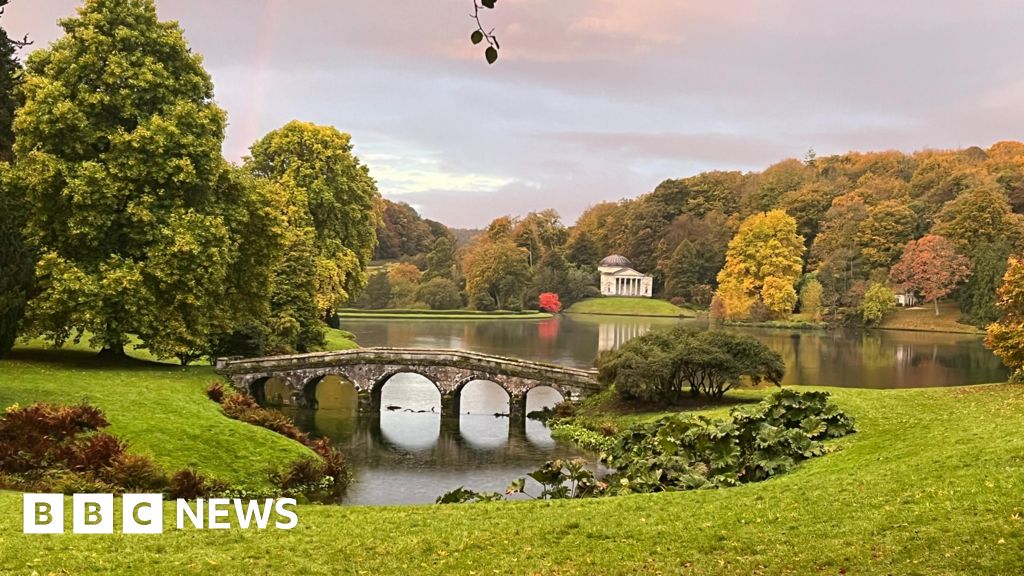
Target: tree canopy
{"x": 118, "y": 146}
{"x": 340, "y": 197}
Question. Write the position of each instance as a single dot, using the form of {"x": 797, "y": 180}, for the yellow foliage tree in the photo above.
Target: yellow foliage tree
{"x": 762, "y": 265}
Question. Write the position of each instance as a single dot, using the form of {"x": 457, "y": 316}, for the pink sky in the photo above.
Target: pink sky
{"x": 602, "y": 99}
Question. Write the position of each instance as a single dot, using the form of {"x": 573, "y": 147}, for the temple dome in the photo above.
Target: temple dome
{"x": 616, "y": 261}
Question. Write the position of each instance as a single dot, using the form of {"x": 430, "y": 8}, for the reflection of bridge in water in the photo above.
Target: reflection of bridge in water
{"x": 403, "y": 440}
{"x": 294, "y": 380}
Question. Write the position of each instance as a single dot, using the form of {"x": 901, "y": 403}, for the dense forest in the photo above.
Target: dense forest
{"x": 846, "y": 231}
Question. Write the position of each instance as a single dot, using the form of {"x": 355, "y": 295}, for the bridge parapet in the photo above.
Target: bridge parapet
{"x": 369, "y": 368}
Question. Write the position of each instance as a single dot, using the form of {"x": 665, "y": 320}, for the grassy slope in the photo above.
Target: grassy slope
{"x": 160, "y": 409}
{"x": 923, "y": 318}
{"x": 930, "y": 485}
{"x": 625, "y": 306}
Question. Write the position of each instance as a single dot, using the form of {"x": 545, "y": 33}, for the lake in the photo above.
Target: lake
{"x": 408, "y": 455}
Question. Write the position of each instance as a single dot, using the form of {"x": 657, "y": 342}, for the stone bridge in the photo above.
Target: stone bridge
{"x": 368, "y": 369}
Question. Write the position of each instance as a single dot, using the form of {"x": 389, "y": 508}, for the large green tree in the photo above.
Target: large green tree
{"x": 340, "y": 196}
{"x": 118, "y": 146}
{"x": 16, "y": 262}
{"x": 16, "y": 269}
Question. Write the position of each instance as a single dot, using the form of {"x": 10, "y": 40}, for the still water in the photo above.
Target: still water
{"x": 406, "y": 454}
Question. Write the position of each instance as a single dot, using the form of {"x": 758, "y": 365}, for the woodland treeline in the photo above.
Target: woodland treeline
{"x": 834, "y": 228}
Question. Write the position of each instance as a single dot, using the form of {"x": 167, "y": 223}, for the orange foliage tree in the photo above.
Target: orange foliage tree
{"x": 931, "y": 266}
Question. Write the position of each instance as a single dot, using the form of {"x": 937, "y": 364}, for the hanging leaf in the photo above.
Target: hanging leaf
{"x": 491, "y": 54}
{"x": 477, "y": 37}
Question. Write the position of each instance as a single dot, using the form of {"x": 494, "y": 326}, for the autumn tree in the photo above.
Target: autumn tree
{"x": 497, "y": 272}
{"x": 119, "y": 163}
{"x": 931, "y": 266}
{"x": 341, "y": 199}
{"x": 549, "y": 302}
{"x": 404, "y": 279}
{"x": 810, "y": 298}
{"x": 878, "y": 301}
{"x": 979, "y": 215}
{"x": 596, "y": 223}
{"x": 763, "y": 264}
{"x": 539, "y": 233}
{"x": 401, "y": 232}
{"x": 889, "y": 225}
{"x": 1006, "y": 337}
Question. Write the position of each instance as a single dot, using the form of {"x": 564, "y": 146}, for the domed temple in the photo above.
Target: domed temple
{"x": 618, "y": 278}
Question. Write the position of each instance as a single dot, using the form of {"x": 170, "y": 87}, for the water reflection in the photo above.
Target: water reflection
{"x": 852, "y": 358}
{"x": 409, "y": 454}
{"x": 407, "y": 457}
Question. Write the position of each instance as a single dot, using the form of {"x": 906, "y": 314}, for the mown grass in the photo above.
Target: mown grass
{"x": 931, "y": 484}
{"x": 626, "y": 306}
{"x": 160, "y": 409}
{"x": 922, "y": 318}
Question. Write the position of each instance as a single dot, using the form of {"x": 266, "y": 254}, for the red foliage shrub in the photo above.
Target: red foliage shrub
{"x": 215, "y": 392}
{"x": 549, "y": 302}
{"x": 94, "y": 453}
{"x": 135, "y": 473}
{"x": 190, "y": 484}
{"x": 244, "y": 408}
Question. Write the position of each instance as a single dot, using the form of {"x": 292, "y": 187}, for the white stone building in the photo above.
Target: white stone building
{"x": 618, "y": 278}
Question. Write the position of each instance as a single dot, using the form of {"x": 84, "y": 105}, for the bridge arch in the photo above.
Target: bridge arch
{"x": 271, "y": 390}
{"x": 478, "y": 382}
{"x": 540, "y": 397}
{"x": 377, "y": 387}
{"x": 333, "y": 390}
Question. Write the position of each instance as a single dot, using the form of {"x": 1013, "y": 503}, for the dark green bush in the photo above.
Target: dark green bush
{"x": 663, "y": 365}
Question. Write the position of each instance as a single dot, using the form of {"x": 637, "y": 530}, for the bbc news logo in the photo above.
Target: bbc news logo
{"x": 144, "y": 514}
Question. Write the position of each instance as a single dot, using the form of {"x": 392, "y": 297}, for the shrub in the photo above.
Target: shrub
{"x": 215, "y": 392}
{"x": 549, "y": 302}
{"x": 135, "y": 473}
{"x": 55, "y": 448}
{"x": 683, "y": 452}
{"x": 189, "y": 484}
{"x": 319, "y": 480}
{"x": 678, "y": 301}
{"x": 244, "y": 408}
{"x": 658, "y": 365}
{"x": 462, "y": 495}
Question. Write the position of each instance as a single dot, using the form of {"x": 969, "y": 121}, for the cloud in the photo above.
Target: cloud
{"x": 599, "y": 99}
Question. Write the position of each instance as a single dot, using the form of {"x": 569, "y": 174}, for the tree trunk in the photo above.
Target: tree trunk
{"x": 936, "y": 306}
{"x": 112, "y": 352}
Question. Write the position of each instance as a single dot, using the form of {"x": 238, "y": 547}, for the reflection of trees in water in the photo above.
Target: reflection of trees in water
{"x": 855, "y": 358}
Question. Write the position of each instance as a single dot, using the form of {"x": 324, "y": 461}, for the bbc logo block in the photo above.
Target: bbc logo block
{"x": 144, "y": 514}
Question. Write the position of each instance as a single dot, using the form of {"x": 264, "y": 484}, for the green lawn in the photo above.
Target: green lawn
{"x": 625, "y": 306}
{"x": 923, "y": 318}
{"x": 931, "y": 484}
{"x": 443, "y": 314}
